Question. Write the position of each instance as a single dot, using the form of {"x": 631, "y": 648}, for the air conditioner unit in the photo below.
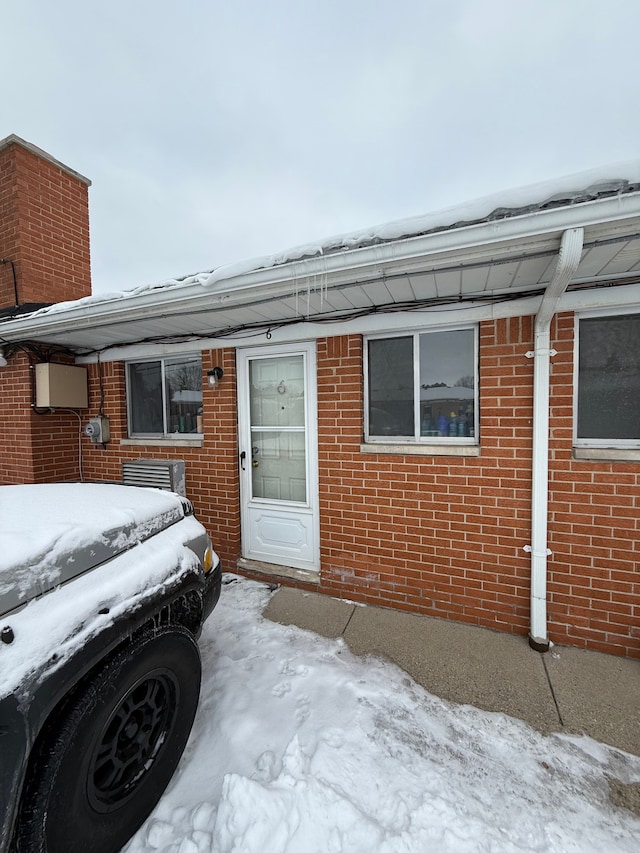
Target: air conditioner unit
{"x": 156, "y": 474}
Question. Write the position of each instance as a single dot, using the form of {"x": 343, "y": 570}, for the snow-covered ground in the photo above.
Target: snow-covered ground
{"x": 301, "y": 747}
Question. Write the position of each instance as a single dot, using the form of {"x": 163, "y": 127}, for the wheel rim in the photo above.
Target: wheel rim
{"x": 132, "y": 739}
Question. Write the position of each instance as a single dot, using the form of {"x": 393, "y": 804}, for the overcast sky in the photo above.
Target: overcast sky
{"x": 215, "y": 131}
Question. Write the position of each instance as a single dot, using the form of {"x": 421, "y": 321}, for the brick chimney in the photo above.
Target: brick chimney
{"x": 44, "y": 228}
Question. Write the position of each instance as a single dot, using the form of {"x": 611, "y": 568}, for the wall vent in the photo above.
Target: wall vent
{"x": 155, "y": 474}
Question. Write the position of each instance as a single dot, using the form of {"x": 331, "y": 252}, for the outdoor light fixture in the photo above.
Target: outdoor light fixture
{"x": 215, "y": 376}
{"x": 3, "y": 360}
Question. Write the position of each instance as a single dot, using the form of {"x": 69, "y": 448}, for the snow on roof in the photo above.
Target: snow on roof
{"x": 95, "y": 299}
{"x": 561, "y": 192}
{"x": 613, "y": 179}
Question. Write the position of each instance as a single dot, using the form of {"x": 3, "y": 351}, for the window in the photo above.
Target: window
{"x": 422, "y": 387}
{"x": 165, "y": 396}
{"x": 608, "y": 381}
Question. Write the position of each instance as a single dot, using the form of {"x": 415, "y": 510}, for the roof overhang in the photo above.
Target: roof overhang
{"x": 509, "y": 258}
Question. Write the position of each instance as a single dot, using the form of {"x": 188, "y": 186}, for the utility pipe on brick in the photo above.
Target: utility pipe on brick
{"x": 568, "y": 262}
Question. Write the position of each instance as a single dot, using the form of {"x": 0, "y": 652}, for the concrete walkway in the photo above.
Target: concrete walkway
{"x": 565, "y": 690}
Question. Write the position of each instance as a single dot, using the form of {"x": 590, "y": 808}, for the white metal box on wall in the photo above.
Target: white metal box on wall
{"x": 155, "y": 473}
{"x": 61, "y": 386}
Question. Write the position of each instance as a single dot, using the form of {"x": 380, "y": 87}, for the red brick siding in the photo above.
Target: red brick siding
{"x": 432, "y": 534}
{"x": 594, "y": 530}
{"x": 441, "y": 535}
{"x": 16, "y": 457}
{"x": 211, "y": 470}
{"x": 44, "y": 230}
{"x": 37, "y": 446}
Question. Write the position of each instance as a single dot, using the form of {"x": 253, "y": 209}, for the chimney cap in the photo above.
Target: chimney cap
{"x": 12, "y": 139}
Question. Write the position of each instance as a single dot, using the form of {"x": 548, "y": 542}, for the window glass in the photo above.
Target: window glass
{"x": 183, "y": 394}
{"x": 437, "y": 403}
{"x": 447, "y": 384}
{"x": 165, "y": 396}
{"x": 391, "y": 403}
{"x": 609, "y": 378}
{"x": 145, "y": 397}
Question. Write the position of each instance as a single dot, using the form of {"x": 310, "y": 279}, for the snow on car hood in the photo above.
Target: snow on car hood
{"x": 51, "y": 628}
{"x": 50, "y": 533}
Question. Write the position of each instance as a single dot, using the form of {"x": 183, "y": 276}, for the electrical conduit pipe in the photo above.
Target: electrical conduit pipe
{"x": 568, "y": 261}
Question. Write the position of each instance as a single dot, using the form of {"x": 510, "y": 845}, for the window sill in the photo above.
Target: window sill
{"x": 196, "y": 441}
{"x": 422, "y": 449}
{"x": 607, "y": 454}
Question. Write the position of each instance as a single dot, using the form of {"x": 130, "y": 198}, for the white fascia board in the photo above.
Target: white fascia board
{"x": 94, "y": 312}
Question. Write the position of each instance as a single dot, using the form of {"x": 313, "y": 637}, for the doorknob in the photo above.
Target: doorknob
{"x": 243, "y": 456}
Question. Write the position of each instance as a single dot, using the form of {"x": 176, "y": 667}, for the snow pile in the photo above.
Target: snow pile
{"x": 300, "y": 747}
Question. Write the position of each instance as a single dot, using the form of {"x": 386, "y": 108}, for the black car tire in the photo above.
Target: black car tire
{"x": 104, "y": 768}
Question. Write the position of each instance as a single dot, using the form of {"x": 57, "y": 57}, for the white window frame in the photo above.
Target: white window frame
{"x": 417, "y": 439}
{"x": 163, "y": 359}
{"x": 622, "y": 443}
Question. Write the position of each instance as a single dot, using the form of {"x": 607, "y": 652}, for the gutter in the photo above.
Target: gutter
{"x": 410, "y": 250}
{"x": 568, "y": 262}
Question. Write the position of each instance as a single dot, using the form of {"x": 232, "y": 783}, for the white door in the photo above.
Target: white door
{"x": 278, "y": 443}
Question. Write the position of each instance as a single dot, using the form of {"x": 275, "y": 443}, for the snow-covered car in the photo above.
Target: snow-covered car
{"x": 103, "y": 593}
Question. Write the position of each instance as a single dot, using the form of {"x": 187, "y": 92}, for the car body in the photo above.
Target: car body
{"x": 103, "y": 593}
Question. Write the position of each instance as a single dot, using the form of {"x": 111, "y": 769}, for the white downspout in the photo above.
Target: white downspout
{"x": 568, "y": 261}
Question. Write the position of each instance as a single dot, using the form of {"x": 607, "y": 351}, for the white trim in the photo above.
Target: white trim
{"x": 418, "y": 440}
{"x": 156, "y": 436}
{"x": 308, "y": 350}
{"x": 421, "y": 449}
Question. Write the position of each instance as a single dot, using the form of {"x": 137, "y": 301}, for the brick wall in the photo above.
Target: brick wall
{"x": 44, "y": 228}
{"x": 44, "y": 232}
{"x": 38, "y": 446}
{"x": 441, "y": 535}
{"x": 16, "y": 456}
{"x": 594, "y": 530}
{"x": 211, "y": 469}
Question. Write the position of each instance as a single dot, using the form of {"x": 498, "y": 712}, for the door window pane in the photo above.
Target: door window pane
{"x": 277, "y": 391}
{"x": 609, "y": 378}
{"x": 278, "y": 428}
{"x": 278, "y": 465}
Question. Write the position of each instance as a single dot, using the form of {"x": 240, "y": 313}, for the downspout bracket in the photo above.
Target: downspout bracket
{"x": 529, "y": 550}
{"x": 533, "y": 353}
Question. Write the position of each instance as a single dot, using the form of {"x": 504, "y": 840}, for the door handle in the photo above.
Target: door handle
{"x": 243, "y": 456}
